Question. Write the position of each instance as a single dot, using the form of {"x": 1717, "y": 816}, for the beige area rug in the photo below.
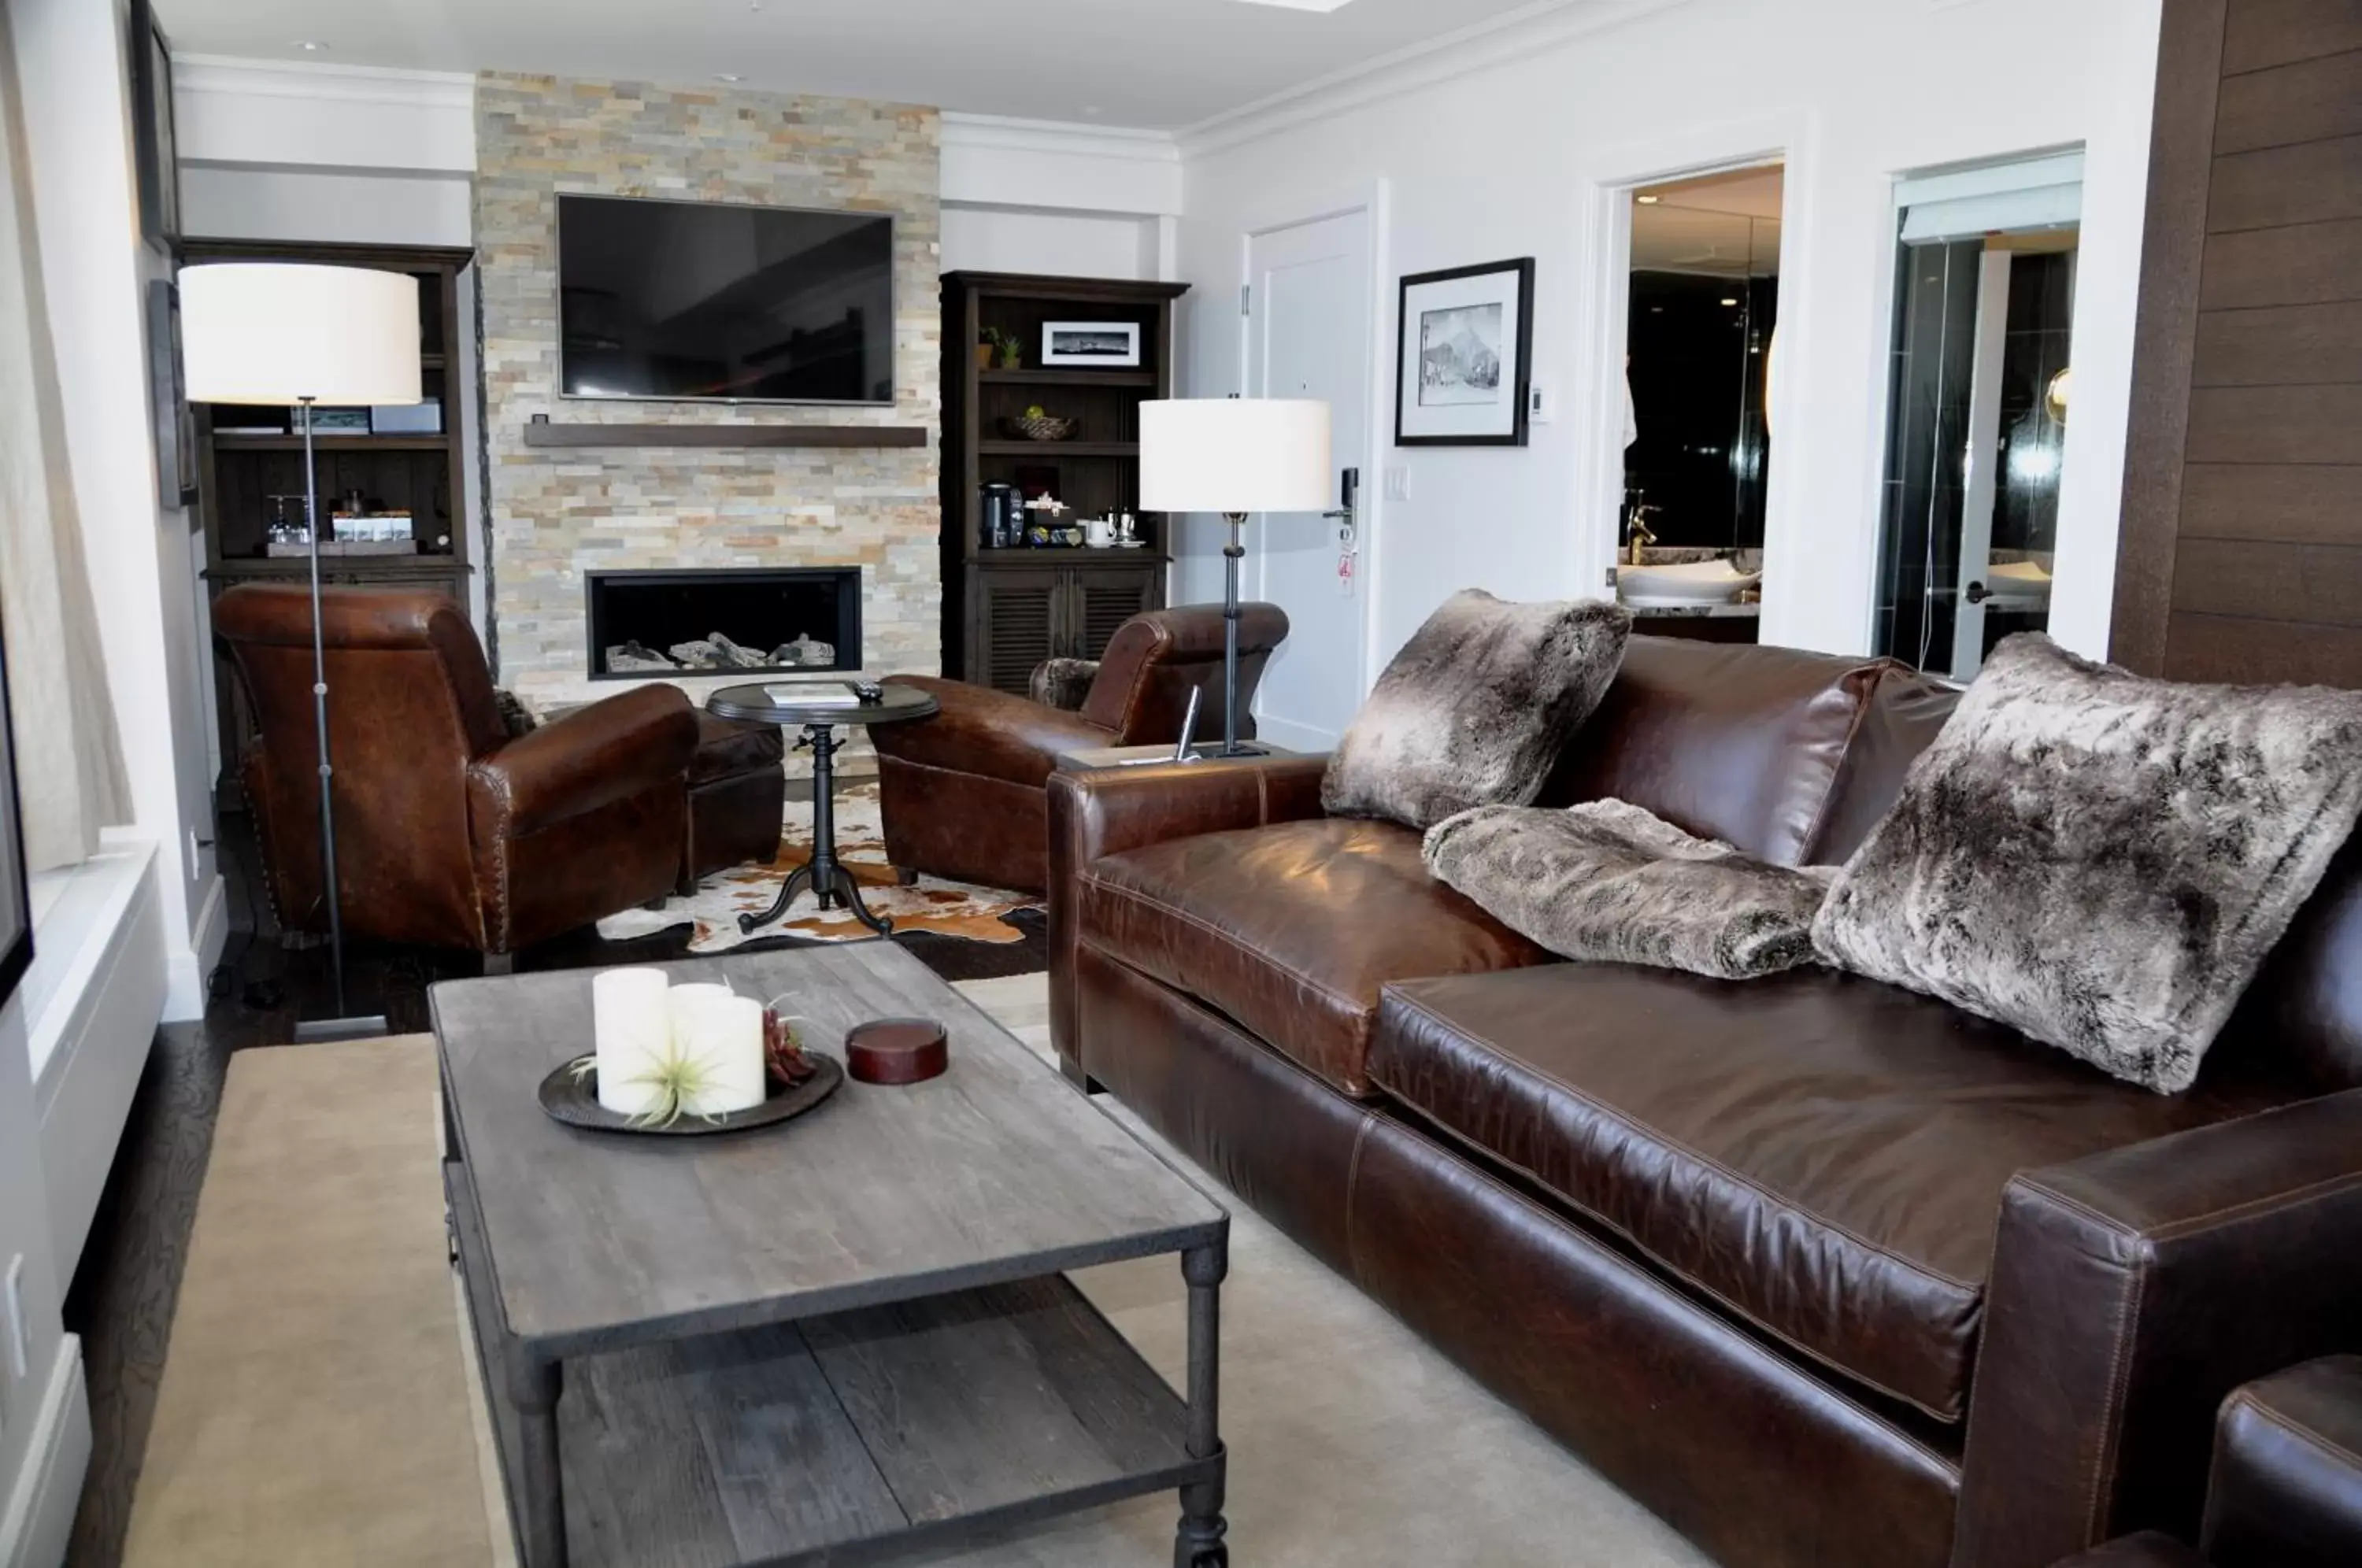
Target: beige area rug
{"x": 314, "y": 1405}
{"x": 947, "y": 909}
{"x": 1352, "y": 1443}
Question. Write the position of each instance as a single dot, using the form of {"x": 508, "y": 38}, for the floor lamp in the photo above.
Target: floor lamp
{"x": 1234, "y": 456}
{"x": 296, "y": 336}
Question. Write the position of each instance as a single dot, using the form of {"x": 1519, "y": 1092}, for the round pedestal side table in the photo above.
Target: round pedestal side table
{"x": 826, "y": 711}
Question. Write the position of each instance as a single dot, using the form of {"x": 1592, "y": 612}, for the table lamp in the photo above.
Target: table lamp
{"x": 296, "y": 335}
{"x": 1234, "y": 456}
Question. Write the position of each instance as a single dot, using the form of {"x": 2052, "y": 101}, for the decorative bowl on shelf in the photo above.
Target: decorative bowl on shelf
{"x": 1041, "y": 427}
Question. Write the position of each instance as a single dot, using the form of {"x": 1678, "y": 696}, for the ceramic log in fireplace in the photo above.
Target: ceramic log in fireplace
{"x": 651, "y": 625}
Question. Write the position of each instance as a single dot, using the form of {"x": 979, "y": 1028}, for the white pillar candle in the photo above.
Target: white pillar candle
{"x": 630, "y": 1022}
{"x": 729, "y": 1042}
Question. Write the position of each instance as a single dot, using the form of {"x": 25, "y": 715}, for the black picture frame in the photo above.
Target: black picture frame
{"x": 155, "y": 139}
{"x": 1417, "y": 425}
{"x": 16, "y": 891}
{"x": 168, "y": 391}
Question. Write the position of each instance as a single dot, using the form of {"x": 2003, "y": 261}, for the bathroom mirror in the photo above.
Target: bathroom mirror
{"x": 1980, "y": 397}
{"x": 1705, "y": 302}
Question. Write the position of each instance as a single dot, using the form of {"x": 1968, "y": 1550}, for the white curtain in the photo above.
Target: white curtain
{"x": 70, "y": 777}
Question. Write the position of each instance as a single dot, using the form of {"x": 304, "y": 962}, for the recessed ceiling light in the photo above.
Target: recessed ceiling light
{"x": 1093, "y": 110}
{"x": 727, "y": 76}
{"x": 1731, "y": 302}
{"x": 310, "y": 46}
{"x": 1323, "y": 5}
{"x": 1647, "y": 200}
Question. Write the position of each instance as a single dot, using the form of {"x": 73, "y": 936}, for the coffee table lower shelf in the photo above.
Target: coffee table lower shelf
{"x": 859, "y": 1437}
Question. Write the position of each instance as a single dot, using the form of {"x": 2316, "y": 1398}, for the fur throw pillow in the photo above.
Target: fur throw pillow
{"x": 1476, "y": 708}
{"x": 1611, "y": 883}
{"x": 2099, "y": 860}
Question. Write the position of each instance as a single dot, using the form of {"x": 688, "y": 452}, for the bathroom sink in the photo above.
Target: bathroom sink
{"x": 2022, "y": 582}
{"x": 1678, "y": 586}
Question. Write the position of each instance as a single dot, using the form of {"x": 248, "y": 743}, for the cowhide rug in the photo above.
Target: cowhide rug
{"x": 947, "y": 909}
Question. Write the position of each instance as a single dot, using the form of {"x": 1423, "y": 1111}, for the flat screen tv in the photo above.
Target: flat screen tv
{"x": 702, "y": 301}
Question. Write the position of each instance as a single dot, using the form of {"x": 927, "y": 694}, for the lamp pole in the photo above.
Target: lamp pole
{"x": 341, "y": 1026}
{"x": 1233, "y": 553}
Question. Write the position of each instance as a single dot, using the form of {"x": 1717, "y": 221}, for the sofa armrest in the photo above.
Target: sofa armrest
{"x": 992, "y": 734}
{"x": 591, "y": 757}
{"x": 2130, "y": 1292}
{"x": 1107, "y": 811}
{"x": 2287, "y": 1484}
{"x": 2150, "y": 1549}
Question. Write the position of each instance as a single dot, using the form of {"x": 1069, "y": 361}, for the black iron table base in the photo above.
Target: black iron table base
{"x": 824, "y": 873}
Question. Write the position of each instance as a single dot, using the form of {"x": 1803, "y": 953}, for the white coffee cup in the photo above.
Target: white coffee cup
{"x": 1098, "y": 532}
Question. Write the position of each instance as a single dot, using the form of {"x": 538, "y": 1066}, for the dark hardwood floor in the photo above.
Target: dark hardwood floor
{"x": 122, "y": 1295}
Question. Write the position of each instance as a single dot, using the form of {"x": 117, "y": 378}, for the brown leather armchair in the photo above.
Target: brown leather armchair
{"x": 2285, "y": 1489}
{"x": 449, "y": 831}
{"x": 963, "y": 790}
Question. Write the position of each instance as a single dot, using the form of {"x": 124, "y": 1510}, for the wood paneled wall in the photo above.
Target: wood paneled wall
{"x": 2241, "y": 550}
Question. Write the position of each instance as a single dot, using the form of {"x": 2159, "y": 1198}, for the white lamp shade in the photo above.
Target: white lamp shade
{"x": 1234, "y": 455}
{"x": 281, "y": 333}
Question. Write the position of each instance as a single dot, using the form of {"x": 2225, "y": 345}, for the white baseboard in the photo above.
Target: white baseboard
{"x": 187, "y": 969}
{"x": 38, "y": 1516}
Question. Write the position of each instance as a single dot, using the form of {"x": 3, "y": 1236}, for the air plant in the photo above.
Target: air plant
{"x": 679, "y": 1081}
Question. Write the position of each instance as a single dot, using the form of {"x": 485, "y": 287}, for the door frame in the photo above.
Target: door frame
{"x": 1373, "y": 200}
{"x": 1599, "y": 338}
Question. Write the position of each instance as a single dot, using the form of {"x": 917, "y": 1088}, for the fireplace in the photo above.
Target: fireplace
{"x": 651, "y": 625}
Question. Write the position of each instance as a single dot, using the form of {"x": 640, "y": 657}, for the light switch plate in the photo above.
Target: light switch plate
{"x": 1540, "y": 407}
{"x": 1397, "y": 483}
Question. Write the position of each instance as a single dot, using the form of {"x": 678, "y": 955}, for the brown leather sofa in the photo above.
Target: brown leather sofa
{"x": 449, "y": 831}
{"x": 1821, "y": 1271}
{"x": 2286, "y": 1490}
{"x": 961, "y": 793}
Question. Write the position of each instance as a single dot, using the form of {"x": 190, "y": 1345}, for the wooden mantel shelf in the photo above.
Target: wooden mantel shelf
{"x": 542, "y": 432}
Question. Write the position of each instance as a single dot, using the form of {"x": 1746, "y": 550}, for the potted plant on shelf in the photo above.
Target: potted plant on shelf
{"x": 1003, "y": 345}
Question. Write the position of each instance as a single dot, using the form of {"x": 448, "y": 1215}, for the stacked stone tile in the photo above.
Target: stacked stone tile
{"x": 557, "y": 513}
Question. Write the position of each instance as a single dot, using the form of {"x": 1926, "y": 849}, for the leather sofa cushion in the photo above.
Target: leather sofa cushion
{"x": 2287, "y": 1484}
{"x": 1822, "y": 1155}
{"x": 1790, "y": 756}
{"x": 726, "y": 748}
{"x": 1292, "y": 929}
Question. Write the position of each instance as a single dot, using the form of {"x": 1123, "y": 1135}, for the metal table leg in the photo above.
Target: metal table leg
{"x": 1197, "y": 1543}
{"x": 824, "y": 873}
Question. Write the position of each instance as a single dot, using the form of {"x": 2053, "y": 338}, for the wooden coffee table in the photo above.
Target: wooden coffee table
{"x": 834, "y": 1341}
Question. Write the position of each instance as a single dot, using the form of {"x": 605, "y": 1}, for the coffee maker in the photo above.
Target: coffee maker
{"x": 1003, "y": 526}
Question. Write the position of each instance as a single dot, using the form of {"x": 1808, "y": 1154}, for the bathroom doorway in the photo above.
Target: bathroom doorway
{"x": 1704, "y": 305}
{"x": 1981, "y": 384}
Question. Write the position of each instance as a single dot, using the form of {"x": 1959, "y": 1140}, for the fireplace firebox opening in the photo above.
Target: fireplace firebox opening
{"x": 647, "y": 625}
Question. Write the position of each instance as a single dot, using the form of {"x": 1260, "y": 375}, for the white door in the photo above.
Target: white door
{"x": 1308, "y": 337}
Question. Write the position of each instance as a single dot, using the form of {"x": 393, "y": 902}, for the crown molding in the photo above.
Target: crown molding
{"x": 1514, "y": 34}
{"x": 999, "y": 134}
{"x": 312, "y": 80}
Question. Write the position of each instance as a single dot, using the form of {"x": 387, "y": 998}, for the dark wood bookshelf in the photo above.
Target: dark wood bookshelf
{"x": 238, "y": 473}
{"x": 1005, "y": 610}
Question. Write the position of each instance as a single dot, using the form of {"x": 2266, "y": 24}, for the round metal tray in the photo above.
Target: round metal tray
{"x": 575, "y": 1102}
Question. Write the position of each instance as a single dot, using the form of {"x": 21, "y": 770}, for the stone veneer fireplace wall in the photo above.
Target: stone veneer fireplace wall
{"x": 555, "y": 514}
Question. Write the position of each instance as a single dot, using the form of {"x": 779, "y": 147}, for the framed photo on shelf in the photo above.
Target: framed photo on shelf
{"x": 1103, "y": 345}
{"x": 176, "y": 423}
{"x": 1465, "y": 356}
{"x": 155, "y": 142}
{"x": 16, "y": 896}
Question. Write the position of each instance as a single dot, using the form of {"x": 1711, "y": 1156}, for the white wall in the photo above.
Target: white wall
{"x": 1066, "y": 244}
{"x": 77, "y": 132}
{"x": 1518, "y": 146}
{"x": 1068, "y": 200}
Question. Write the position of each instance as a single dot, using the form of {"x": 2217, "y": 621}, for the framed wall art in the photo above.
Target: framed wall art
{"x": 1465, "y": 356}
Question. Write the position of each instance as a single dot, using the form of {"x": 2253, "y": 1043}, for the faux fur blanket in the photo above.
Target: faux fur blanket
{"x": 1476, "y": 708}
{"x": 1612, "y": 883}
{"x": 2099, "y": 860}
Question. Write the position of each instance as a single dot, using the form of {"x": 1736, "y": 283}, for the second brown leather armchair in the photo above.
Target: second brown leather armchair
{"x": 449, "y": 831}
{"x": 963, "y": 790}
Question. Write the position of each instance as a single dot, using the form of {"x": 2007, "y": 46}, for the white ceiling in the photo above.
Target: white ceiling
{"x": 1155, "y": 64}
{"x": 1725, "y": 224}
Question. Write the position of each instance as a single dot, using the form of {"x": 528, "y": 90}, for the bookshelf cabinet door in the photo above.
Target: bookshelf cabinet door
{"x": 1102, "y": 601}
{"x": 1018, "y": 617}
